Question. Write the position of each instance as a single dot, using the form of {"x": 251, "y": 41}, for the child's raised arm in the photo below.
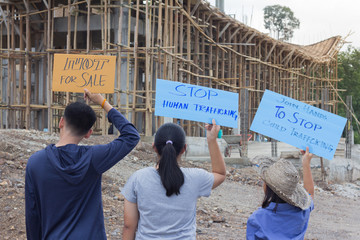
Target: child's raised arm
{"x": 217, "y": 160}
{"x": 307, "y": 176}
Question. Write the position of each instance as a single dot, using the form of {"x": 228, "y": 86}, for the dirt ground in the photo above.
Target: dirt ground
{"x": 221, "y": 216}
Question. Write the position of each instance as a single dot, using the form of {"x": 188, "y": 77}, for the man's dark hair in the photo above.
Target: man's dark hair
{"x": 79, "y": 117}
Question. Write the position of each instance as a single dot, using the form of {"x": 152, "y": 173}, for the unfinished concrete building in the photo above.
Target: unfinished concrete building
{"x": 188, "y": 41}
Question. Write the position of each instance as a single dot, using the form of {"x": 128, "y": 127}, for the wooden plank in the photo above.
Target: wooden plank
{"x": 224, "y": 29}
{"x": 245, "y": 36}
{"x": 251, "y": 37}
{"x": 195, "y": 7}
{"x": 234, "y": 33}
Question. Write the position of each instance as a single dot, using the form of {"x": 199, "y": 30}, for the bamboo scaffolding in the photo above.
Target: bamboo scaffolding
{"x": 187, "y": 41}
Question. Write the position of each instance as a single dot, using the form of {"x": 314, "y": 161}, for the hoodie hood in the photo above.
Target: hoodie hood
{"x": 70, "y": 161}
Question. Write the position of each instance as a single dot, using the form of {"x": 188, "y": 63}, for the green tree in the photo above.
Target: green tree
{"x": 280, "y": 20}
{"x": 349, "y": 72}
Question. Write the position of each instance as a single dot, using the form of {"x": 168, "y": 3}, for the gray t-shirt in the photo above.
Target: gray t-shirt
{"x": 163, "y": 217}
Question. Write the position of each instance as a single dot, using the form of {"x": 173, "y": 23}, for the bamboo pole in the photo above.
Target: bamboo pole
{"x": 75, "y": 29}
{"x": 1, "y": 76}
{"x": 153, "y": 72}
{"x": 160, "y": 43}
{"x": 36, "y": 93}
{"x": 128, "y": 63}
{"x": 104, "y": 122}
{"x": 136, "y": 33}
{"x": 28, "y": 67}
{"x": 120, "y": 23}
{"x": 8, "y": 115}
{"x": 88, "y": 26}
{"x": 171, "y": 40}
{"x": 148, "y": 119}
{"x": 188, "y": 50}
{"x": 268, "y": 65}
{"x": 45, "y": 90}
{"x": 13, "y": 69}
{"x": 166, "y": 39}
{"x": 21, "y": 74}
{"x": 181, "y": 43}
{"x": 211, "y": 73}
{"x": 176, "y": 50}
{"x": 48, "y": 79}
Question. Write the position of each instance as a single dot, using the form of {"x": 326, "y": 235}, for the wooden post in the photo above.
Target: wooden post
{"x": 21, "y": 74}
{"x": 8, "y": 91}
{"x": 36, "y": 93}
{"x": 136, "y": 70}
{"x": 13, "y": 68}
{"x": 121, "y": 15}
{"x": 324, "y": 105}
{"x": 68, "y": 42}
{"x": 244, "y": 116}
{"x": 28, "y": 67}
{"x": 88, "y": 26}
{"x": 348, "y": 128}
{"x": 104, "y": 122}
{"x": 1, "y": 76}
{"x": 44, "y": 82}
{"x": 49, "y": 64}
{"x": 166, "y": 39}
{"x": 148, "y": 102}
{"x": 188, "y": 49}
{"x": 175, "y": 43}
{"x": 75, "y": 29}
{"x": 128, "y": 63}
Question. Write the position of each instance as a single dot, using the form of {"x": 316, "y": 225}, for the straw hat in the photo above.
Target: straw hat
{"x": 283, "y": 178}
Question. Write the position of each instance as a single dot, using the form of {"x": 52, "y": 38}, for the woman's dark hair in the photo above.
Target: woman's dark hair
{"x": 271, "y": 196}
{"x": 79, "y": 117}
{"x": 169, "y": 141}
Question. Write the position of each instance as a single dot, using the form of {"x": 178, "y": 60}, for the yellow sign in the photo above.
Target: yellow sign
{"x": 73, "y": 73}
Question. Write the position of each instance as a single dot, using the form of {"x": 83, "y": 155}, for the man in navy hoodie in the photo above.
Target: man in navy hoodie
{"x": 63, "y": 181}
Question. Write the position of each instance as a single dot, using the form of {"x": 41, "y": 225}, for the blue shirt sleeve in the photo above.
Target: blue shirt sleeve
{"x": 106, "y": 156}
{"x": 32, "y": 212}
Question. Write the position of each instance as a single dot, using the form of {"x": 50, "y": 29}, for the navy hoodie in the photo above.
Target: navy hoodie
{"x": 63, "y": 185}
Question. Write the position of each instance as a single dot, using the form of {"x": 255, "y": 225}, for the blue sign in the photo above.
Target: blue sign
{"x": 196, "y": 103}
{"x": 298, "y": 124}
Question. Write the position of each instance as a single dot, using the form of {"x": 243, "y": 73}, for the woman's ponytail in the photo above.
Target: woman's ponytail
{"x": 169, "y": 142}
{"x": 170, "y": 173}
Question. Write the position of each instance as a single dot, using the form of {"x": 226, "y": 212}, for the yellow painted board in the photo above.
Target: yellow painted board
{"x": 74, "y": 72}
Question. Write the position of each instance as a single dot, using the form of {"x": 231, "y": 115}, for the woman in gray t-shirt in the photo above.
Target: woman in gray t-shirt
{"x": 160, "y": 202}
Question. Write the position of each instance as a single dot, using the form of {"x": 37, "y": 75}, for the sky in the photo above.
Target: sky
{"x": 319, "y": 19}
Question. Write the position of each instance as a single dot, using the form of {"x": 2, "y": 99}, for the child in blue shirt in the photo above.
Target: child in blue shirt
{"x": 287, "y": 205}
